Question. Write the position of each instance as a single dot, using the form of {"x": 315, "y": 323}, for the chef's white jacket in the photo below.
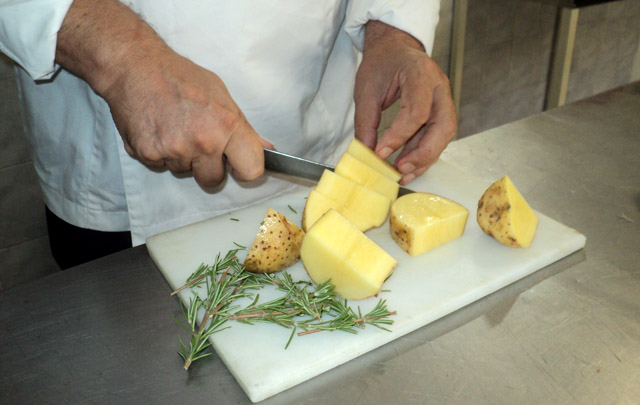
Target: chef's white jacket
{"x": 289, "y": 64}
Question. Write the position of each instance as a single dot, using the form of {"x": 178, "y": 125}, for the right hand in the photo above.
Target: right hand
{"x": 172, "y": 112}
{"x": 169, "y": 111}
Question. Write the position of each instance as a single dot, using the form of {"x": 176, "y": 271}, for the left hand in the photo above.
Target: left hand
{"x": 395, "y": 66}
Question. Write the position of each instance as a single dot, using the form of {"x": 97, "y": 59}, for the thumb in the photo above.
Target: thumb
{"x": 265, "y": 144}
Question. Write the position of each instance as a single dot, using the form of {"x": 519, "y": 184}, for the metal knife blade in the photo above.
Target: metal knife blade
{"x": 307, "y": 169}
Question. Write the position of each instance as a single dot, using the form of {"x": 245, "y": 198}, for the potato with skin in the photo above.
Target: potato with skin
{"x": 276, "y": 246}
{"x": 504, "y": 214}
{"x": 420, "y": 222}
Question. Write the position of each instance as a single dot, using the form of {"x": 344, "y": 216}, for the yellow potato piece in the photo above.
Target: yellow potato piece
{"x": 504, "y": 214}
{"x": 420, "y": 222}
{"x": 363, "y": 174}
{"x": 276, "y": 246}
{"x": 363, "y": 153}
{"x": 335, "y": 249}
{"x": 360, "y": 205}
{"x": 315, "y": 207}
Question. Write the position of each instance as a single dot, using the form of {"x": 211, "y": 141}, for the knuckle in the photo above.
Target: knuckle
{"x": 229, "y": 121}
{"x": 444, "y": 79}
{"x": 174, "y": 146}
{"x": 450, "y": 128}
{"x": 148, "y": 152}
{"x": 419, "y": 113}
{"x": 205, "y": 142}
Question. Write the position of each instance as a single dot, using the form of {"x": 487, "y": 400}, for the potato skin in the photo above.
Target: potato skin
{"x": 493, "y": 209}
{"x": 504, "y": 215}
{"x": 399, "y": 233}
{"x": 276, "y": 245}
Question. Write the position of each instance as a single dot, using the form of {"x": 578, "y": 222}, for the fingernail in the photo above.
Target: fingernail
{"x": 407, "y": 168}
{"x": 385, "y": 152}
{"x": 408, "y": 178}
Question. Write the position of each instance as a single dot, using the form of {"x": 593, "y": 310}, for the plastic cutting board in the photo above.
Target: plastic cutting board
{"x": 422, "y": 289}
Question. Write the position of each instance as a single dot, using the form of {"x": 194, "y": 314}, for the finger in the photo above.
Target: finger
{"x": 408, "y": 178}
{"x": 178, "y": 165}
{"x": 424, "y": 149}
{"x": 208, "y": 170}
{"x": 367, "y": 117}
{"x": 244, "y": 152}
{"x": 265, "y": 144}
{"x": 416, "y": 109}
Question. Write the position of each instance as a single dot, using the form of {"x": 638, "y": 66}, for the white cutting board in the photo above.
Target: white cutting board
{"x": 422, "y": 289}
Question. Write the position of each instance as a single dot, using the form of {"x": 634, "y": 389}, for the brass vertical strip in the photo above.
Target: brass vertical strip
{"x": 565, "y": 36}
{"x": 456, "y": 61}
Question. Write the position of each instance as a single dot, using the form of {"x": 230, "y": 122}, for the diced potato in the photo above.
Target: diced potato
{"x": 276, "y": 246}
{"x": 505, "y": 215}
{"x": 363, "y": 153}
{"x": 420, "y": 222}
{"x": 363, "y": 174}
{"x": 360, "y": 205}
{"x": 315, "y": 206}
{"x": 335, "y": 249}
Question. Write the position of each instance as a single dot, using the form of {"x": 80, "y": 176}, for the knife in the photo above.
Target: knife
{"x": 298, "y": 167}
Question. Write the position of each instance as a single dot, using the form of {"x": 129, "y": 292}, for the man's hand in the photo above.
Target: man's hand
{"x": 169, "y": 111}
{"x": 394, "y": 66}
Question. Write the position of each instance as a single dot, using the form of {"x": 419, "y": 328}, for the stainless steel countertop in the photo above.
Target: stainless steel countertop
{"x": 570, "y": 333}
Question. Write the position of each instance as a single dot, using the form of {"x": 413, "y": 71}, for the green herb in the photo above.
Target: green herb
{"x": 294, "y": 211}
{"x": 234, "y": 219}
{"x": 303, "y": 307}
{"x": 223, "y": 282}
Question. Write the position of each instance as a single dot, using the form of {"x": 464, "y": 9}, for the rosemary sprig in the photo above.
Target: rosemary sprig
{"x": 303, "y": 307}
{"x": 222, "y": 283}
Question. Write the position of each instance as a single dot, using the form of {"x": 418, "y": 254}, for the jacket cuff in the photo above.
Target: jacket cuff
{"x": 415, "y": 17}
{"x": 29, "y": 34}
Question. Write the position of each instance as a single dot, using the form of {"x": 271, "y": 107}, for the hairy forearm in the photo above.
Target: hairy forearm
{"x": 99, "y": 40}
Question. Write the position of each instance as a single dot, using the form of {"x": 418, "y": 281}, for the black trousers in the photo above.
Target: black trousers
{"x": 72, "y": 245}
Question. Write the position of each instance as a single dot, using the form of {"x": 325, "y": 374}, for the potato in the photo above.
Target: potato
{"x": 335, "y": 249}
{"x": 360, "y": 205}
{"x": 276, "y": 246}
{"x": 505, "y": 215}
{"x": 366, "y": 155}
{"x": 420, "y": 222}
{"x": 363, "y": 174}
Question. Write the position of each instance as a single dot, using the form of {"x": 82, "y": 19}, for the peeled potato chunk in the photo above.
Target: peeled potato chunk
{"x": 335, "y": 249}
{"x": 315, "y": 207}
{"x": 363, "y": 153}
{"x": 420, "y": 222}
{"x": 505, "y": 215}
{"x": 363, "y": 174}
{"x": 360, "y": 205}
{"x": 276, "y": 246}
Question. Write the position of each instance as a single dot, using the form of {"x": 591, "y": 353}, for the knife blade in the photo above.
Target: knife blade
{"x": 284, "y": 163}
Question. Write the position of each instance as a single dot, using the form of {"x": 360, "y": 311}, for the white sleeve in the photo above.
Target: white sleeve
{"x": 29, "y": 32}
{"x": 415, "y": 17}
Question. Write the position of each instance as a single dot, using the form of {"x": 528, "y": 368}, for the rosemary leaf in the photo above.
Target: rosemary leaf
{"x": 303, "y": 307}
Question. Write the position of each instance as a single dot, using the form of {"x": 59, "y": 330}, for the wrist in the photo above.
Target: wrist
{"x": 102, "y": 40}
{"x": 378, "y": 33}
